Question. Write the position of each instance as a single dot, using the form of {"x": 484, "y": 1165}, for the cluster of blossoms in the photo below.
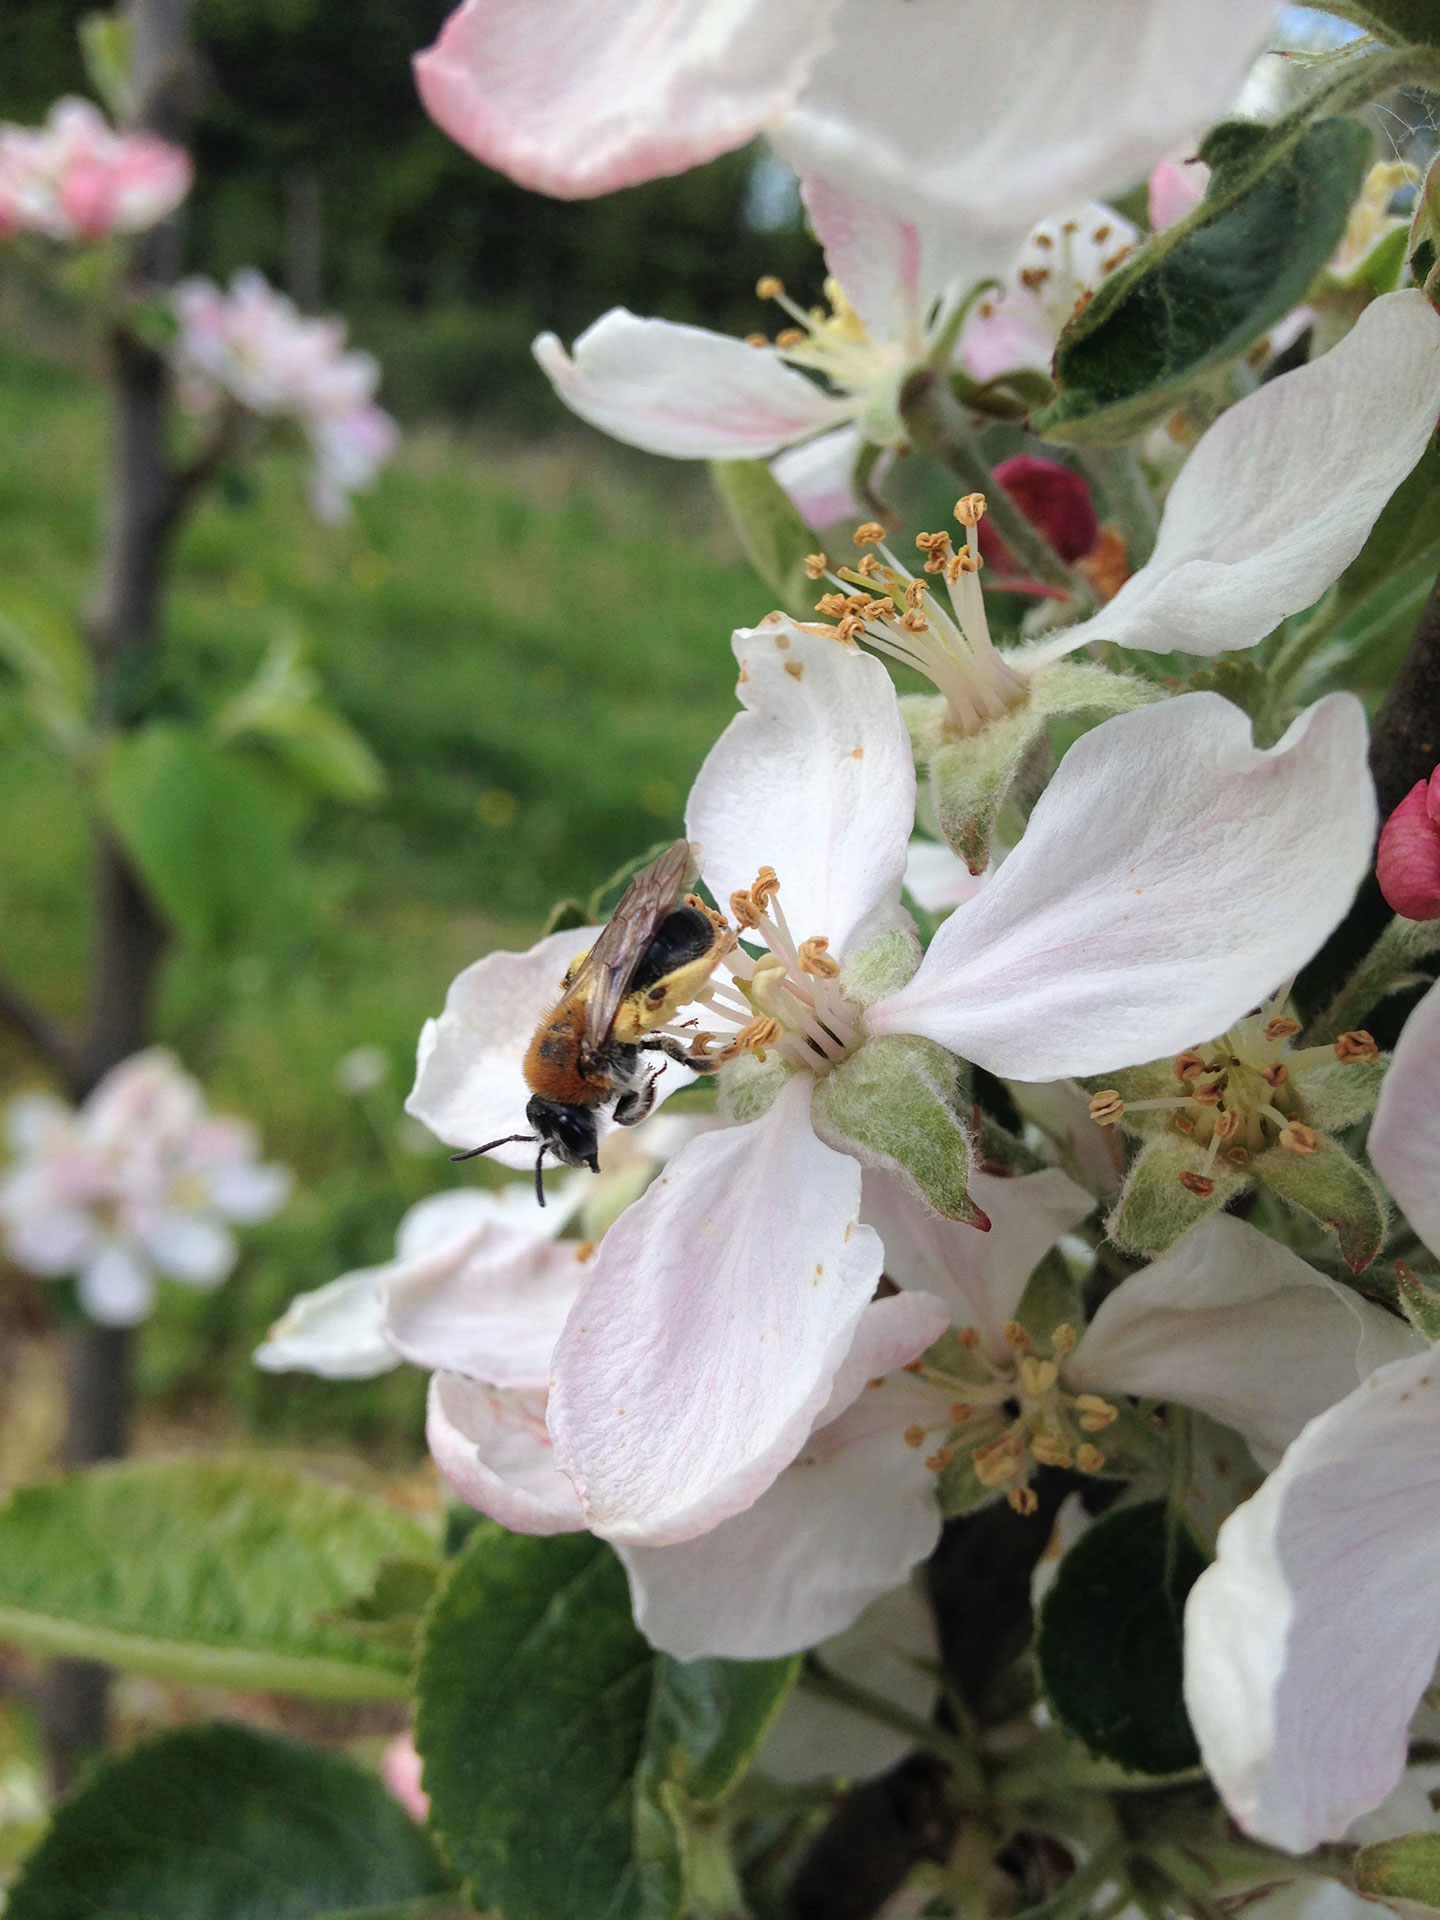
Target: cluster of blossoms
{"x": 250, "y": 347}
{"x": 788, "y": 1339}
{"x": 76, "y": 179}
{"x": 140, "y": 1181}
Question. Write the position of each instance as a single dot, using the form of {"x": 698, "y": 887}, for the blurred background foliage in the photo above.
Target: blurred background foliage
{"x": 527, "y": 623}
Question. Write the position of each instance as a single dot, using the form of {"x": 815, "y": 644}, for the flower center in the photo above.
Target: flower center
{"x": 1244, "y": 1092}
{"x": 1012, "y": 1414}
{"x": 834, "y": 341}
{"x": 781, "y": 992}
{"x": 896, "y": 612}
{"x": 1064, "y": 261}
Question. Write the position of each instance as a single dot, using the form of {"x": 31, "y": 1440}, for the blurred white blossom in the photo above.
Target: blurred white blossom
{"x": 77, "y": 179}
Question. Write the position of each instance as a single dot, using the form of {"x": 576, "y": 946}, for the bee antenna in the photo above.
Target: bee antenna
{"x": 471, "y": 1154}
{"x": 539, "y": 1163}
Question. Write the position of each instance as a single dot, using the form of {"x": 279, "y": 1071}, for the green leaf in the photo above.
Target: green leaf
{"x": 1404, "y": 1869}
{"x": 393, "y": 1606}
{"x": 902, "y": 1104}
{"x": 221, "y": 1823}
{"x": 210, "y": 838}
{"x": 1402, "y": 22}
{"x": 105, "y": 47}
{"x": 1419, "y": 1302}
{"x": 213, "y": 1573}
{"x": 775, "y": 537}
{"x": 555, "y": 1740}
{"x": 284, "y": 712}
{"x": 51, "y": 670}
{"x": 1199, "y": 295}
{"x": 1109, "y": 1639}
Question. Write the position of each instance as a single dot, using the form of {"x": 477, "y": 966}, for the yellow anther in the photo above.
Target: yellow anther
{"x": 1037, "y": 1377}
{"x": 870, "y": 534}
{"x": 1197, "y": 1183}
{"x": 1089, "y": 1459}
{"x": 764, "y": 888}
{"x": 1210, "y": 1091}
{"x": 1050, "y": 1452}
{"x": 584, "y": 1250}
{"x": 757, "y": 340}
{"x": 815, "y": 958}
{"x": 914, "y": 622}
{"x": 743, "y": 910}
{"x": 940, "y": 1459}
{"x": 1062, "y": 1341}
{"x": 1228, "y": 1123}
{"x": 1352, "y": 1048}
{"x": 1298, "y": 1138}
{"x": 790, "y": 337}
{"x": 1093, "y": 1413}
{"x": 1023, "y": 1499}
{"x": 936, "y": 548}
{"x": 1282, "y": 1027}
{"x": 1277, "y": 1073}
{"x": 915, "y": 593}
{"x": 914, "y": 1436}
{"x": 769, "y": 286}
{"x": 834, "y": 605}
{"x": 1017, "y": 1337}
{"x": 761, "y": 1033}
{"x": 868, "y": 565}
{"x": 971, "y": 510}
{"x": 1106, "y": 1107}
{"x": 998, "y": 1461}
{"x": 960, "y": 1414}
{"x": 815, "y": 565}
{"x": 1188, "y": 1065}
{"x": 964, "y": 562}
{"x": 968, "y": 1338}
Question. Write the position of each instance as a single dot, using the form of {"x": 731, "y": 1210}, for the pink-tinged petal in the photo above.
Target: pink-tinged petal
{"x": 495, "y": 1455}
{"x": 191, "y": 1247}
{"x": 891, "y": 1334}
{"x": 337, "y": 1331}
{"x": 978, "y": 121}
{"x": 711, "y": 1327}
{"x": 1176, "y": 188}
{"x": 1171, "y": 876}
{"x": 1405, "y": 1133}
{"x": 489, "y": 1305}
{"x": 1407, "y": 864}
{"x": 844, "y": 1523}
{"x": 1007, "y": 331}
{"x": 443, "y": 1218}
{"x": 892, "y": 1650}
{"x": 116, "y": 1287}
{"x": 469, "y": 1084}
{"x": 874, "y": 256}
{"x": 815, "y": 779}
{"x": 1281, "y": 493}
{"x": 401, "y": 1770}
{"x": 1310, "y": 1641}
{"x": 578, "y": 97}
{"x": 979, "y": 1276}
{"x": 685, "y": 392}
{"x": 1232, "y": 1323}
{"x": 819, "y": 476}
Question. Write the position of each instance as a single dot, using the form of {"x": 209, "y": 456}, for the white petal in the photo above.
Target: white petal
{"x": 1405, "y": 1134}
{"x": 938, "y": 879}
{"x": 892, "y": 1332}
{"x": 819, "y": 476}
{"x": 444, "y": 1217}
{"x": 337, "y": 1331}
{"x": 578, "y": 97}
{"x": 193, "y": 1247}
{"x": 249, "y": 1194}
{"x": 1235, "y": 1324}
{"x": 1171, "y": 876}
{"x": 54, "y": 1241}
{"x": 844, "y": 1523}
{"x": 815, "y": 779}
{"x": 711, "y": 1327}
{"x": 494, "y": 1452}
{"x": 469, "y": 1086}
{"x": 979, "y": 1276}
{"x": 489, "y": 1305}
{"x": 116, "y": 1287}
{"x": 1281, "y": 493}
{"x": 887, "y": 1651}
{"x": 874, "y": 256}
{"x": 1310, "y": 1641}
{"x": 684, "y": 391}
{"x": 976, "y": 122}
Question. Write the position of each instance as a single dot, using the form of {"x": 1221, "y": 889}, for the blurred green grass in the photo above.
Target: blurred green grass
{"x": 533, "y": 638}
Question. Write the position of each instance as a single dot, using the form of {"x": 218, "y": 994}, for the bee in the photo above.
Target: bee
{"x": 655, "y": 954}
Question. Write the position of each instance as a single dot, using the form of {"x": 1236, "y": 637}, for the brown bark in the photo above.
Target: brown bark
{"x": 1405, "y": 742}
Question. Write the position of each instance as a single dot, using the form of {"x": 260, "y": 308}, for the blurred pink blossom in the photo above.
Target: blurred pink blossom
{"x": 75, "y": 178}
{"x": 141, "y": 1180}
{"x": 1177, "y": 187}
{"x": 400, "y": 1768}
{"x": 252, "y": 345}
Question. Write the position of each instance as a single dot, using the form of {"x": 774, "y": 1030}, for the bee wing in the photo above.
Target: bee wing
{"x": 605, "y": 973}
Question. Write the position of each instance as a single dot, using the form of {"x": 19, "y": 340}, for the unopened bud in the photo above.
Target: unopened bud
{"x": 1408, "y": 862}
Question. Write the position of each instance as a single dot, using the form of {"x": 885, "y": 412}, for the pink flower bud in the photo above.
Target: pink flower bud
{"x": 1408, "y": 863}
{"x": 400, "y": 1770}
{"x": 1052, "y": 498}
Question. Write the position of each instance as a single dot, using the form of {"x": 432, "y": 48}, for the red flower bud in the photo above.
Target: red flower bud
{"x": 1408, "y": 863}
{"x": 1052, "y": 498}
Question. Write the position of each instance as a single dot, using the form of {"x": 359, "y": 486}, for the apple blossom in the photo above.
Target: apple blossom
{"x": 1275, "y": 501}
{"x": 1062, "y": 263}
{"x": 251, "y": 347}
{"x": 948, "y": 112}
{"x": 76, "y": 179}
{"x": 1310, "y": 1641}
{"x": 1407, "y": 864}
{"x": 712, "y": 1322}
{"x": 140, "y": 1181}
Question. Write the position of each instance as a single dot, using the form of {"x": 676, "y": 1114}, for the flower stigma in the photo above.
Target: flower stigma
{"x": 899, "y": 614}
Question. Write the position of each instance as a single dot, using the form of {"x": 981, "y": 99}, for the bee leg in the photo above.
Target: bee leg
{"x": 632, "y": 1107}
{"x": 672, "y": 1049}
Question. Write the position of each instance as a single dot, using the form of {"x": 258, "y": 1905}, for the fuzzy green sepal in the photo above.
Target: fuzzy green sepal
{"x": 902, "y": 1104}
{"x": 1335, "y": 1189}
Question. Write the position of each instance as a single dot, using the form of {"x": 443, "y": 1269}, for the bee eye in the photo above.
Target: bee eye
{"x": 655, "y": 996}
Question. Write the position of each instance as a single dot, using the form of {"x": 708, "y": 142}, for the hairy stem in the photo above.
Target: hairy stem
{"x": 1119, "y": 476}
{"x": 1389, "y": 967}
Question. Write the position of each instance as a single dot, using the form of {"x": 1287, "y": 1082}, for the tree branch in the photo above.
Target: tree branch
{"x": 46, "y": 1036}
